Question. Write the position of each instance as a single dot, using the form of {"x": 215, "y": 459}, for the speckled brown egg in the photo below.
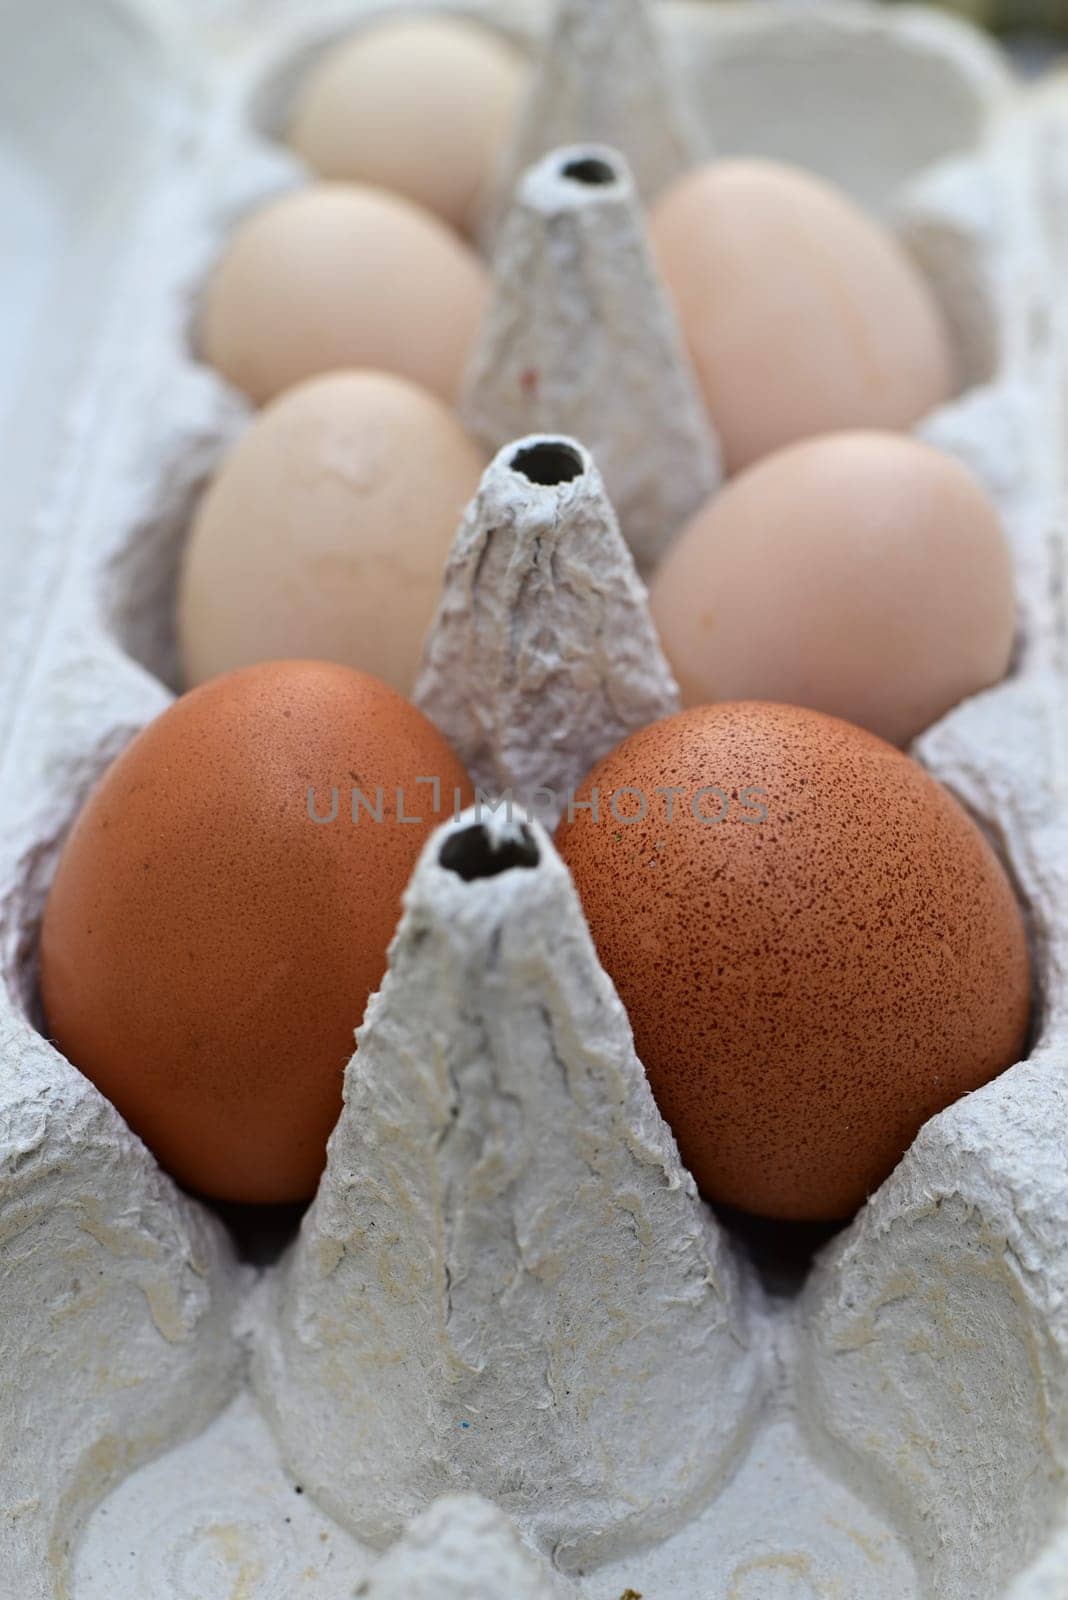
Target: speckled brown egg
{"x": 817, "y": 948}
{"x": 209, "y": 947}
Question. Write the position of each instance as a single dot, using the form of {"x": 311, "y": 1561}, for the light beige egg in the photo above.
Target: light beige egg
{"x": 326, "y": 530}
{"x": 862, "y": 574}
{"x": 802, "y": 314}
{"x": 420, "y": 105}
{"x": 338, "y": 275}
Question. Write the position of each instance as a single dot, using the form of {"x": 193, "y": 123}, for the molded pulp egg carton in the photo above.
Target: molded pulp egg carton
{"x": 511, "y": 1353}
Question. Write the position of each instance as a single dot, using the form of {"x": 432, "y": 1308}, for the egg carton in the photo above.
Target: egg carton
{"x": 511, "y": 1352}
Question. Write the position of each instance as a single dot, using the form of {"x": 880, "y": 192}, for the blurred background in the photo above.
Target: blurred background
{"x": 92, "y": 90}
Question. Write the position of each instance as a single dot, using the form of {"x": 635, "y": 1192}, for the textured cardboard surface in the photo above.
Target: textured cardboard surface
{"x": 897, "y": 1428}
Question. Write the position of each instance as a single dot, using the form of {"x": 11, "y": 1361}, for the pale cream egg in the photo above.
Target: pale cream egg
{"x": 420, "y": 105}
{"x": 326, "y": 530}
{"x": 802, "y": 314}
{"x": 862, "y": 574}
{"x": 340, "y": 275}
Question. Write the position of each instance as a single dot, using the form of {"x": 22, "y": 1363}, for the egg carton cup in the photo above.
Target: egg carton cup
{"x": 511, "y": 1351}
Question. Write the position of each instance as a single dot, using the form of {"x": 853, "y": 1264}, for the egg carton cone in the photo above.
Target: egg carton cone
{"x": 580, "y": 337}
{"x": 556, "y": 1284}
{"x": 462, "y": 1548}
{"x": 510, "y": 1350}
{"x": 603, "y": 78}
{"x": 541, "y": 599}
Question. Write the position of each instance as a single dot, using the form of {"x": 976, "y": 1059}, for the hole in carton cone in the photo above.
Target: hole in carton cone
{"x": 474, "y": 852}
{"x": 589, "y": 170}
{"x": 549, "y": 464}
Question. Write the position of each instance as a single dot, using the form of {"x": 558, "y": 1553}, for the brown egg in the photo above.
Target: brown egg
{"x": 864, "y": 574}
{"x": 208, "y": 948}
{"x": 337, "y": 275}
{"x": 420, "y": 105}
{"x": 811, "y": 978}
{"x": 803, "y": 315}
{"x": 326, "y": 530}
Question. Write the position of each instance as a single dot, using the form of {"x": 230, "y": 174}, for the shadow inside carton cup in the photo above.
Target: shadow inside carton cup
{"x": 781, "y": 1253}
